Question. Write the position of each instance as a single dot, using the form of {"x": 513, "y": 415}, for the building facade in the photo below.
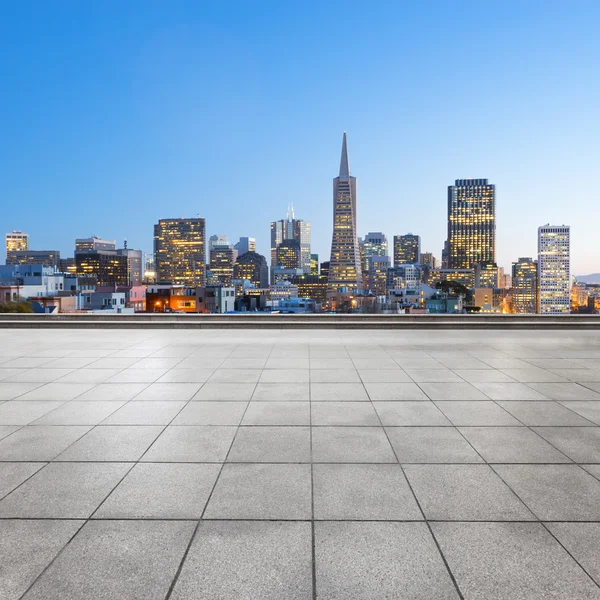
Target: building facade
{"x": 246, "y": 244}
{"x": 180, "y": 251}
{"x": 407, "y": 249}
{"x": 298, "y": 231}
{"x": 48, "y": 258}
{"x": 345, "y": 271}
{"x": 221, "y": 259}
{"x": 314, "y": 264}
{"x": 524, "y": 286}
{"x": 252, "y": 267}
{"x": 471, "y": 223}
{"x": 374, "y": 244}
{"x": 15, "y": 242}
{"x": 554, "y": 269}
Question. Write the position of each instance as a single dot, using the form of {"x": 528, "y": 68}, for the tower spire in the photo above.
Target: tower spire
{"x": 344, "y": 163}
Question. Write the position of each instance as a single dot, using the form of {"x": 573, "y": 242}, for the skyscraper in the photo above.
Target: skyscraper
{"x": 345, "y": 268}
{"x": 407, "y": 249}
{"x": 252, "y": 267}
{"x": 221, "y": 259}
{"x": 524, "y": 286}
{"x": 374, "y": 244}
{"x": 471, "y": 223}
{"x": 554, "y": 269}
{"x": 314, "y": 264}
{"x": 246, "y": 244}
{"x": 180, "y": 251}
{"x": 15, "y": 242}
{"x": 291, "y": 228}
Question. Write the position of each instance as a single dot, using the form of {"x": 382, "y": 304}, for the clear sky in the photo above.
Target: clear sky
{"x": 115, "y": 114}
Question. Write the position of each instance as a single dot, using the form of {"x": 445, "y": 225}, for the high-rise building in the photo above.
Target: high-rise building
{"x": 15, "y": 242}
{"x": 374, "y": 244}
{"x": 106, "y": 266}
{"x": 180, "y": 251}
{"x": 378, "y": 269}
{"x": 407, "y": 249}
{"x": 221, "y": 259}
{"x": 427, "y": 259}
{"x": 149, "y": 268}
{"x": 291, "y": 228}
{"x": 487, "y": 275}
{"x": 288, "y": 254}
{"x": 314, "y": 264}
{"x": 524, "y": 286}
{"x": 47, "y": 258}
{"x": 134, "y": 264}
{"x": 554, "y": 269}
{"x": 246, "y": 244}
{"x": 345, "y": 269}
{"x": 325, "y": 269}
{"x": 252, "y": 267}
{"x": 94, "y": 243}
{"x": 471, "y": 223}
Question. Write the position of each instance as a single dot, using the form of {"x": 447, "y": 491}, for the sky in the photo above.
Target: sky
{"x": 115, "y": 114}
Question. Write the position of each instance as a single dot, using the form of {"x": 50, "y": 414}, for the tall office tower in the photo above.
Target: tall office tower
{"x": 325, "y": 269}
{"x": 554, "y": 272}
{"x": 98, "y": 258}
{"x": 291, "y": 228}
{"x": 253, "y": 267}
{"x": 345, "y": 268}
{"x": 288, "y": 255}
{"x": 427, "y": 259}
{"x": 221, "y": 259}
{"x": 246, "y": 244}
{"x": 180, "y": 251}
{"x": 149, "y": 268}
{"x": 524, "y": 286}
{"x": 407, "y": 249}
{"x": 378, "y": 270}
{"x": 94, "y": 243}
{"x": 314, "y": 264}
{"x": 15, "y": 242}
{"x": 374, "y": 244}
{"x": 471, "y": 223}
{"x": 134, "y": 264}
{"x": 487, "y": 275}
{"x": 47, "y": 258}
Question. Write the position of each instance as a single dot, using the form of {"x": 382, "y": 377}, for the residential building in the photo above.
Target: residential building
{"x": 180, "y": 251}
{"x": 345, "y": 271}
{"x": 215, "y": 299}
{"x": 48, "y": 258}
{"x": 471, "y": 223}
{"x": 32, "y": 280}
{"x": 407, "y": 249}
{"x": 314, "y": 264}
{"x": 524, "y": 286}
{"x": 252, "y": 267}
{"x": 404, "y": 277}
{"x": 554, "y": 270}
{"x": 165, "y": 297}
{"x": 246, "y": 244}
{"x": 15, "y": 242}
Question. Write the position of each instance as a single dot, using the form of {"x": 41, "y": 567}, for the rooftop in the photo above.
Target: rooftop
{"x": 299, "y": 464}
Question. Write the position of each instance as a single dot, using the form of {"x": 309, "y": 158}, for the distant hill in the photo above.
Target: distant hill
{"x": 593, "y": 278}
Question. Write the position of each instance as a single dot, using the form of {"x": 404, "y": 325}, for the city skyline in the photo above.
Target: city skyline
{"x": 148, "y": 121}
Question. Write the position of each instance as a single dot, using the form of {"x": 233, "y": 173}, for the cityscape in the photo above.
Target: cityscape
{"x": 189, "y": 272}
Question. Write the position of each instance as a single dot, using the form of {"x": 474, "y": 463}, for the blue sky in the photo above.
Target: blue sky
{"x": 115, "y": 114}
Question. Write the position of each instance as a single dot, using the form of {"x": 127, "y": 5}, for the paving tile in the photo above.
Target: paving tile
{"x": 452, "y": 391}
{"x": 330, "y": 363}
{"x": 589, "y": 411}
{"x": 202, "y": 362}
{"x": 25, "y": 362}
{"x": 579, "y": 375}
{"x": 6, "y": 430}
{"x": 16, "y": 412}
{"x": 254, "y": 491}
{"x": 431, "y": 445}
{"x": 351, "y": 445}
{"x": 420, "y": 363}
{"x": 211, "y": 413}
{"x": 145, "y": 413}
{"x": 285, "y": 376}
{"x": 113, "y": 362}
{"x": 410, "y": 414}
{"x": 244, "y": 363}
{"x": 509, "y": 391}
{"x": 395, "y": 391}
{"x": 14, "y": 474}
{"x": 554, "y": 492}
{"x": 520, "y": 560}
{"x": 533, "y": 375}
{"x": 469, "y": 413}
{"x": 396, "y": 375}
{"x": 582, "y": 541}
{"x": 235, "y": 376}
{"x": 26, "y": 549}
{"x": 594, "y": 386}
{"x": 236, "y": 392}
{"x": 464, "y": 493}
{"x": 371, "y": 561}
{"x": 112, "y": 392}
{"x": 565, "y": 391}
{"x": 39, "y": 375}
{"x": 39, "y": 442}
{"x": 465, "y": 363}
{"x": 136, "y": 560}
{"x": 186, "y": 376}
{"x": 111, "y": 443}
{"x": 87, "y": 375}
{"x": 334, "y": 376}
{"x": 593, "y": 469}
{"x": 56, "y": 391}
{"x": 282, "y": 392}
{"x": 379, "y": 363}
{"x": 344, "y": 413}
{"x": 161, "y": 491}
{"x": 580, "y": 444}
{"x": 63, "y": 491}
{"x": 270, "y": 560}
{"x": 79, "y": 413}
{"x": 433, "y": 375}
{"x": 183, "y": 443}
{"x": 483, "y": 376}
{"x": 545, "y": 413}
{"x": 277, "y": 413}
{"x": 177, "y": 392}
{"x": 133, "y": 375}
{"x": 157, "y": 363}
{"x": 6, "y": 373}
{"x": 70, "y": 362}
{"x": 288, "y": 363}
{"x": 271, "y": 445}
{"x": 10, "y": 391}
{"x": 554, "y": 363}
{"x": 363, "y": 492}
{"x": 341, "y": 392}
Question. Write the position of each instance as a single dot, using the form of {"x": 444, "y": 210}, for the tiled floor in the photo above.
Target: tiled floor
{"x": 291, "y": 464}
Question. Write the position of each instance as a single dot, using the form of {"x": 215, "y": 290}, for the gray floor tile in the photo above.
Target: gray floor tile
{"x": 26, "y": 549}
{"x": 431, "y": 445}
{"x": 582, "y": 541}
{"x": 266, "y": 491}
{"x": 136, "y": 560}
{"x": 580, "y": 444}
{"x": 40, "y": 375}
{"x": 351, "y": 445}
{"x": 157, "y": 363}
{"x": 79, "y": 413}
{"x": 235, "y": 376}
{"x": 465, "y": 363}
{"x": 87, "y": 375}
{"x": 161, "y": 491}
{"x": 287, "y": 363}
{"x": 6, "y": 430}
{"x": 15, "y": 473}
{"x": 395, "y": 375}
{"x": 363, "y": 492}
{"x": 593, "y": 469}
{"x": 236, "y": 392}
{"x": 344, "y": 413}
{"x": 113, "y": 362}
{"x": 452, "y": 391}
{"x": 330, "y": 363}
{"x": 379, "y": 363}
{"x": 470, "y": 413}
{"x": 270, "y": 560}
{"x": 545, "y": 413}
{"x": 588, "y": 409}
{"x": 137, "y": 376}
{"x": 244, "y": 363}
{"x": 183, "y": 443}
{"x": 483, "y": 376}
{"x": 509, "y": 391}
{"x": 334, "y": 376}
{"x": 371, "y": 561}
{"x": 10, "y": 391}
{"x": 211, "y": 413}
{"x": 410, "y": 414}
{"x": 166, "y": 392}
{"x": 145, "y": 413}
{"x": 533, "y": 375}
{"x": 420, "y": 363}
{"x": 186, "y": 376}
{"x": 565, "y": 391}
{"x": 57, "y": 391}
{"x": 16, "y": 412}
{"x": 554, "y": 492}
{"x": 112, "y": 392}
{"x": 579, "y": 375}
{"x": 63, "y": 491}
{"x": 395, "y": 391}
{"x": 341, "y": 392}
{"x": 519, "y": 560}
{"x": 277, "y": 413}
{"x": 271, "y": 445}
{"x": 433, "y": 375}
{"x": 285, "y": 376}
{"x": 282, "y": 392}
{"x": 39, "y": 442}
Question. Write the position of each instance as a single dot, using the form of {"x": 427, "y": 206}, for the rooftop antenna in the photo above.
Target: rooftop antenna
{"x": 125, "y": 244}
